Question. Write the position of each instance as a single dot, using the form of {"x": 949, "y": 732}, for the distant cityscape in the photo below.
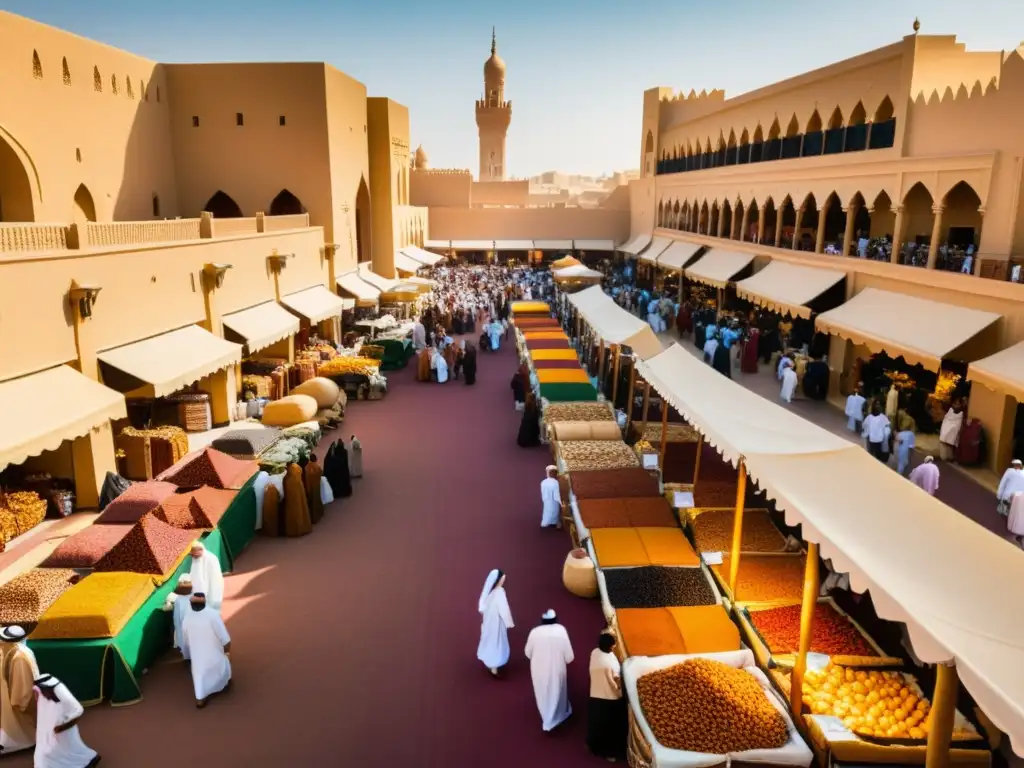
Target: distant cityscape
{"x": 556, "y": 188}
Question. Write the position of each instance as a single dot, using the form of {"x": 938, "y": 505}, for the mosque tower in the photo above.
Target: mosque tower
{"x": 493, "y": 115}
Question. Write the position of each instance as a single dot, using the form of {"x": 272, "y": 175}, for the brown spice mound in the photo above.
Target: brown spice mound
{"x": 706, "y": 706}
{"x": 210, "y": 467}
{"x": 151, "y": 547}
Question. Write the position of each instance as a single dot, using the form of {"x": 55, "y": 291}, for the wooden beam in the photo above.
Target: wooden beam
{"x": 810, "y": 600}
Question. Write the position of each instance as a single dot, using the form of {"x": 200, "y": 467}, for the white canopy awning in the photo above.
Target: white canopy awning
{"x": 441, "y": 245}
{"x": 379, "y": 282}
{"x": 44, "y": 409}
{"x": 1003, "y": 371}
{"x": 918, "y": 330}
{"x": 406, "y": 263}
{"x": 314, "y": 304}
{"x": 637, "y": 244}
{"x": 172, "y": 360}
{"x": 513, "y": 245}
{"x": 553, "y": 245}
{"x": 594, "y": 245}
{"x": 262, "y": 325}
{"x": 417, "y": 280}
{"x": 678, "y": 254}
{"x": 614, "y": 324}
{"x": 788, "y": 288}
{"x": 577, "y": 272}
{"x": 657, "y": 247}
{"x": 362, "y": 290}
{"x": 472, "y": 245}
{"x": 426, "y": 258}
{"x": 862, "y": 514}
{"x": 718, "y": 267}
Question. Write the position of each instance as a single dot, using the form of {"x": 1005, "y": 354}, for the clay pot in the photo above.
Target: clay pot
{"x": 579, "y": 575}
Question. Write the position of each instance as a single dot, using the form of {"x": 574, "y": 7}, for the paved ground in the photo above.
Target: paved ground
{"x": 956, "y": 488}
{"x": 356, "y": 646}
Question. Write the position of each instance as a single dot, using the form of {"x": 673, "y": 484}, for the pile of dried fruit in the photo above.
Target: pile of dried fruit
{"x": 97, "y": 606}
{"x": 85, "y": 548}
{"x": 834, "y": 634}
{"x": 706, "y": 706}
{"x": 578, "y": 412}
{"x": 590, "y": 455}
{"x": 675, "y": 433}
{"x": 615, "y": 484}
{"x": 152, "y": 547}
{"x": 657, "y": 587}
{"x": 200, "y": 509}
{"x": 645, "y": 512}
{"x": 712, "y": 530}
{"x": 873, "y": 703}
{"x": 341, "y": 366}
{"x": 24, "y": 511}
{"x": 766, "y": 578}
{"x": 136, "y": 501}
{"x": 25, "y": 598}
{"x": 210, "y": 467}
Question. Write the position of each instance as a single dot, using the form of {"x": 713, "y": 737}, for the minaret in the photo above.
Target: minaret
{"x": 493, "y": 115}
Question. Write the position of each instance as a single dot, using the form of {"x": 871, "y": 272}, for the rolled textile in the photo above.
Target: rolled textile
{"x": 564, "y": 365}
{"x": 555, "y": 376}
{"x": 552, "y": 354}
{"x": 562, "y": 343}
{"x": 546, "y": 334}
{"x": 585, "y": 430}
{"x": 555, "y": 393}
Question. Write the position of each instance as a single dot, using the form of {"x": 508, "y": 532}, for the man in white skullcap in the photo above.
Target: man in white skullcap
{"x": 206, "y": 575}
{"x": 18, "y": 670}
{"x": 549, "y": 651}
{"x": 58, "y": 741}
{"x": 178, "y": 604}
{"x": 207, "y": 642}
{"x": 551, "y": 498}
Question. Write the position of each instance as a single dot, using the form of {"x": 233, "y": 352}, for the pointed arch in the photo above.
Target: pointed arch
{"x": 97, "y": 80}
{"x": 814, "y": 123}
{"x": 882, "y": 133}
{"x": 128, "y": 87}
{"x": 836, "y": 121}
{"x": 363, "y": 233}
{"x": 223, "y": 206}
{"x": 286, "y": 204}
{"x": 649, "y": 142}
{"x": 859, "y": 115}
{"x": 775, "y": 131}
{"x": 113, "y": 84}
{"x": 37, "y": 66}
{"x": 65, "y": 72}
{"x": 793, "y": 129}
{"x": 885, "y": 111}
{"x": 84, "y": 205}
{"x": 814, "y": 139}
{"x": 836, "y": 133}
{"x": 17, "y": 173}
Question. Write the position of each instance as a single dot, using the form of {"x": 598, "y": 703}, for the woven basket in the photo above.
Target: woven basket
{"x": 638, "y": 751}
{"x": 579, "y": 575}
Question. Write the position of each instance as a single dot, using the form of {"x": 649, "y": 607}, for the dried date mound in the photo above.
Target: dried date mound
{"x": 657, "y": 587}
{"x": 614, "y": 484}
{"x": 25, "y": 598}
{"x": 212, "y": 468}
{"x": 151, "y": 547}
{"x": 136, "y": 501}
{"x": 706, "y": 706}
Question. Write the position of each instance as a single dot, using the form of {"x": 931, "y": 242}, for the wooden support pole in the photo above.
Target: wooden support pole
{"x": 629, "y": 399}
{"x": 810, "y": 600}
{"x": 615, "y": 374}
{"x": 600, "y": 368}
{"x": 664, "y": 433}
{"x": 737, "y": 528}
{"x": 941, "y": 717}
{"x": 696, "y": 463}
{"x": 647, "y": 404}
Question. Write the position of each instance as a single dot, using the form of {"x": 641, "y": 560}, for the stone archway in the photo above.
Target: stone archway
{"x": 16, "y": 197}
{"x": 223, "y": 206}
{"x": 363, "y": 252}
{"x": 85, "y": 206}
{"x": 286, "y": 204}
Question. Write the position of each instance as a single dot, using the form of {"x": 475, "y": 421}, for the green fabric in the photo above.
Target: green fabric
{"x": 560, "y": 393}
{"x": 238, "y": 525}
{"x": 111, "y": 668}
{"x": 396, "y": 353}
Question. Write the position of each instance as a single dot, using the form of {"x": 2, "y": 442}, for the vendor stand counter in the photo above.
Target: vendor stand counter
{"x": 646, "y": 752}
{"x": 111, "y": 668}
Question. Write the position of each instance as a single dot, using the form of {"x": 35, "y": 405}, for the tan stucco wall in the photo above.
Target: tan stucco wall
{"x": 515, "y": 193}
{"x": 388, "y": 141}
{"x": 441, "y": 188}
{"x": 528, "y": 224}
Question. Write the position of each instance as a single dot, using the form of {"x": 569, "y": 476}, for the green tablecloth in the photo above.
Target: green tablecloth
{"x": 396, "y": 353}
{"x": 560, "y": 393}
{"x": 111, "y": 667}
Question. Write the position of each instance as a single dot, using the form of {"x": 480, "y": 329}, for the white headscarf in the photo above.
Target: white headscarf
{"x": 489, "y": 584}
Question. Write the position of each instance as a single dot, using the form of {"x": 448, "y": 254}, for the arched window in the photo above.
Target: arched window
{"x": 222, "y": 206}
{"x": 883, "y": 130}
{"x": 286, "y": 204}
{"x": 128, "y": 88}
{"x": 97, "y": 81}
{"x": 37, "y": 66}
{"x": 65, "y": 72}
{"x": 156, "y": 206}
{"x": 113, "y": 84}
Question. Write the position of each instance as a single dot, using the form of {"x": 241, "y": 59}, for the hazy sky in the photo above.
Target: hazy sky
{"x": 576, "y": 69}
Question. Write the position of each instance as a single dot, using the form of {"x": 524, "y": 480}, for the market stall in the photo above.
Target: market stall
{"x": 635, "y": 245}
{"x": 424, "y": 257}
{"x": 788, "y": 289}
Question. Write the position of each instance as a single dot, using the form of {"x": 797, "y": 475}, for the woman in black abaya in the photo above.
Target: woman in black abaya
{"x": 336, "y": 470}
{"x": 529, "y": 427}
{"x": 469, "y": 364}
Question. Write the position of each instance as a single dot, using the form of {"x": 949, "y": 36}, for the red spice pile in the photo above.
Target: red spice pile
{"x": 834, "y": 634}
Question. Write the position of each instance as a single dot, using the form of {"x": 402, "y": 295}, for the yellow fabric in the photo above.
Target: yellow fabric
{"x": 718, "y": 267}
{"x": 706, "y": 629}
{"x": 172, "y": 360}
{"x": 529, "y": 307}
{"x": 314, "y": 304}
{"x": 98, "y": 606}
{"x": 289, "y": 411}
{"x": 649, "y": 632}
{"x": 262, "y": 325}
{"x": 44, "y": 409}
{"x": 553, "y": 354}
{"x": 618, "y": 547}
{"x": 667, "y": 546}
{"x": 543, "y": 335}
{"x": 919, "y": 330}
{"x": 562, "y": 376}
{"x": 565, "y": 261}
{"x": 787, "y": 288}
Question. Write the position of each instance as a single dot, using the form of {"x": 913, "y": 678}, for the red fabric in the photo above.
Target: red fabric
{"x": 748, "y": 357}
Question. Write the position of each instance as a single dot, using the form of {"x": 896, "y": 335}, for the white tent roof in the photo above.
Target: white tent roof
{"x": 424, "y": 257}
{"x": 657, "y": 247}
{"x": 594, "y": 245}
{"x": 637, "y": 244}
{"x": 925, "y": 564}
{"x": 614, "y": 324}
{"x": 678, "y": 254}
{"x": 578, "y": 271}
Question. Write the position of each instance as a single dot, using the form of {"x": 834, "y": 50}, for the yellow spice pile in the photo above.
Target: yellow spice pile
{"x": 707, "y": 706}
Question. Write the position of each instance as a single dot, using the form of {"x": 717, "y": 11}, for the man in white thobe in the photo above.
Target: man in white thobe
{"x": 177, "y": 605}
{"x": 58, "y": 741}
{"x": 439, "y": 364}
{"x": 206, "y": 575}
{"x": 789, "y": 381}
{"x": 551, "y": 498}
{"x": 1011, "y": 483}
{"x": 18, "y": 671}
{"x": 855, "y": 409}
{"x": 419, "y": 336}
{"x": 207, "y": 642}
{"x": 549, "y": 651}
